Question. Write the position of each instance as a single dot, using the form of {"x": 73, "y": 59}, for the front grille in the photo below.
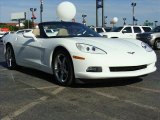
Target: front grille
{"x": 129, "y": 68}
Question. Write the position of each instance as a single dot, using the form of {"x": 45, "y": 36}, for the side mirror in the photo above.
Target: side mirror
{"x": 29, "y": 35}
{"x": 124, "y": 31}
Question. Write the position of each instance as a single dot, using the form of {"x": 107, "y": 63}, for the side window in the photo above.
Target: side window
{"x": 146, "y": 29}
{"x": 137, "y": 30}
{"x": 27, "y": 31}
{"x": 99, "y": 30}
{"x": 127, "y": 30}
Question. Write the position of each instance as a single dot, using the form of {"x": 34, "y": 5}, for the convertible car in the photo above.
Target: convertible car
{"x": 73, "y": 51}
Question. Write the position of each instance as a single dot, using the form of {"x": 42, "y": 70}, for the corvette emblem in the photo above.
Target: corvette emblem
{"x": 131, "y": 53}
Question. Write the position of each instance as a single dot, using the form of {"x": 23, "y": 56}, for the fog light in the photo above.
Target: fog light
{"x": 94, "y": 69}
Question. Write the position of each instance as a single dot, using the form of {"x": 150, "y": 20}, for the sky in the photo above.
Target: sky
{"x": 144, "y": 10}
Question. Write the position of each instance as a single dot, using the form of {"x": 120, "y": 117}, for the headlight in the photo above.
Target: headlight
{"x": 89, "y": 49}
{"x": 146, "y": 47}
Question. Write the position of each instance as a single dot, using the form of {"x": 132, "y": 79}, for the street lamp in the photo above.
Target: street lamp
{"x": 84, "y": 21}
{"x": 124, "y": 19}
{"x": 41, "y": 10}
{"x": 133, "y": 5}
{"x": 155, "y": 23}
{"x": 33, "y": 16}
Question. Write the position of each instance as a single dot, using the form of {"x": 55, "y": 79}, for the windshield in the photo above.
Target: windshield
{"x": 156, "y": 29}
{"x": 67, "y": 29}
{"x": 117, "y": 29}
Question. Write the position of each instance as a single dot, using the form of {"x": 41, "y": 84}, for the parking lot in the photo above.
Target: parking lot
{"x": 27, "y": 94}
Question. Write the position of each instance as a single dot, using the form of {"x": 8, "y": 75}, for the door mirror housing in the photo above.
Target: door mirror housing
{"x": 30, "y": 35}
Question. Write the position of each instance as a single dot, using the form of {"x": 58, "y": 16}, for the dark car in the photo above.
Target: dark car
{"x": 151, "y": 38}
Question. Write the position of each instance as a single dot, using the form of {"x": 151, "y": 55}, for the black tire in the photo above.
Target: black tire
{"x": 63, "y": 68}
{"x": 10, "y": 58}
{"x": 157, "y": 44}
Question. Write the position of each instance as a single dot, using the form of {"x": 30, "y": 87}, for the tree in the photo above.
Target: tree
{"x": 147, "y": 23}
{"x": 11, "y": 28}
{"x": 27, "y": 24}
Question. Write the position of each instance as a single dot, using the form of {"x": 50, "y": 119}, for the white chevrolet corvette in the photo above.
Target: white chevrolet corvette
{"x": 71, "y": 50}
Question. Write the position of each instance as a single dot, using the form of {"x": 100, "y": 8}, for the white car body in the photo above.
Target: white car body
{"x": 108, "y": 54}
{"x": 126, "y": 32}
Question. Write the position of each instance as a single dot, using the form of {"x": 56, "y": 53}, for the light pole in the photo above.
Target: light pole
{"x": 136, "y": 22}
{"x": 155, "y": 23}
{"x": 99, "y": 4}
{"x": 105, "y": 21}
{"x": 124, "y": 19}
{"x": 133, "y": 5}
{"x": 33, "y": 16}
{"x": 84, "y": 21}
{"x": 41, "y": 10}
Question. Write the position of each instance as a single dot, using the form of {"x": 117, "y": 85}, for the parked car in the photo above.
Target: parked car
{"x": 77, "y": 52}
{"x": 152, "y": 38}
{"x": 1, "y": 35}
{"x": 101, "y": 29}
{"x": 126, "y": 31}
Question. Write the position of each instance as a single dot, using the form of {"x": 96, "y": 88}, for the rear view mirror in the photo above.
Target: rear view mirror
{"x": 124, "y": 31}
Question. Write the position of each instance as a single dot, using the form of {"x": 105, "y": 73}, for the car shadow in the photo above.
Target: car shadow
{"x": 108, "y": 82}
{"x": 85, "y": 83}
{"x": 3, "y": 64}
{"x": 79, "y": 83}
{"x": 36, "y": 73}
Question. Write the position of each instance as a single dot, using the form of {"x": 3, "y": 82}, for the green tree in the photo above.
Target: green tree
{"x": 147, "y": 23}
{"x": 11, "y": 28}
{"x": 27, "y": 24}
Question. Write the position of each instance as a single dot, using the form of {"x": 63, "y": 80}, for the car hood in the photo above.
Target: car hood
{"x": 111, "y": 44}
{"x": 122, "y": 50}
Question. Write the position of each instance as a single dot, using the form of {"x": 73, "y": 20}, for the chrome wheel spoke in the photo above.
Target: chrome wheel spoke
{"x": 9, "y": 57}
{"x": 61, "y": 68}
{"x": 59, "y": 60}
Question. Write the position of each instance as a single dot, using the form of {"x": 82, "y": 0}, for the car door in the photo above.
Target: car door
{"x": 127, "y": 32}
{"x": 135, "y": 31}
{"x": 29, "y": 51}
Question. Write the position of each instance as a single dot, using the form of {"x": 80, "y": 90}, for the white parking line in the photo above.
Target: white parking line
{"x": 126, "y": 101}
{"x": 12, "y": 77}
{"x": 3, "y": 70}
{"x": 41, "y": 88}
{"x": 58, "y": 90}
{"x": 30, "y": 105}
{"x": 20, "y": 111}
{"x": 145, "y": 89}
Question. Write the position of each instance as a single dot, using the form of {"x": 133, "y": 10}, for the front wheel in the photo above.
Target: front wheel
{"x": 63, "y": 68}
{"x": 10, "y": 58}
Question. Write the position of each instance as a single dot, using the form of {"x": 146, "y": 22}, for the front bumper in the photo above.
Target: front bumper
{"x": 104, "y": 61}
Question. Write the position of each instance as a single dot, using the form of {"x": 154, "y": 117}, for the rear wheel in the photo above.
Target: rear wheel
{"x": 157, "y": 44}
{"x": 10, "y": 58}
{"x": 63, "y": 68}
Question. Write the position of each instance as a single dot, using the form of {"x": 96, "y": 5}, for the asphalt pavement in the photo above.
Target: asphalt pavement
{"x": 27, "y": 94}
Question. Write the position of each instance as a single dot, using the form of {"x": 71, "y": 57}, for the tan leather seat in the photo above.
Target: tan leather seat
{"x": 36, "y": 32}
{"x": 62, "y": 32}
